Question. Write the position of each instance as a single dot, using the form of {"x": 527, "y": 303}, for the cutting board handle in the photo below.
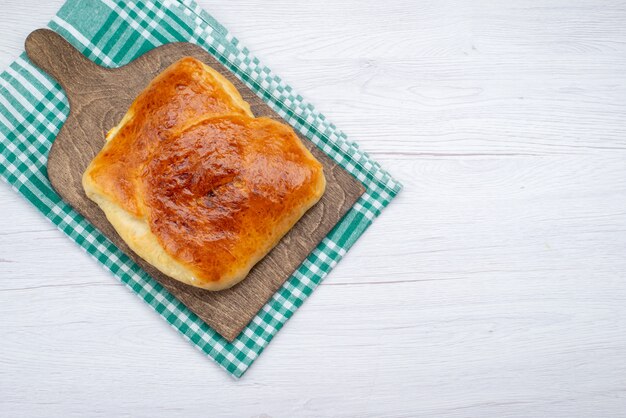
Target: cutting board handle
{"x": 53, "y": 54}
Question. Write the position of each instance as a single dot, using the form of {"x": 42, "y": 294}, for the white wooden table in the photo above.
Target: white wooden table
{"x": 495, "y": 285}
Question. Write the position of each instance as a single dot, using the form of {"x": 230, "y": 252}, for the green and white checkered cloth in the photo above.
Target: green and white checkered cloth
{"x": 112, "y": 33}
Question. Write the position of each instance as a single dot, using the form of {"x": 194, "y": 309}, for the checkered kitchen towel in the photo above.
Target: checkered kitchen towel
{"x": 112, "y": 33}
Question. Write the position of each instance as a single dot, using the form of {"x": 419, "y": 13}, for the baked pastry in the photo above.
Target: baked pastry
{"x": 195, "y": 184}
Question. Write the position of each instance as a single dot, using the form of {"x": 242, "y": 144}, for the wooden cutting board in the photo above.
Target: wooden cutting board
{"x": 98, "y": 99}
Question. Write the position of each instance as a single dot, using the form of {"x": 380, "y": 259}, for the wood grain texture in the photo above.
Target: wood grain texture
{"x": 99, "y": 97}
{"x": 492, "y": 286}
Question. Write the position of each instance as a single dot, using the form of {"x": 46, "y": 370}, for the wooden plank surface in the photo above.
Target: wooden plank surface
{"x": 493, "y": 286}
{"x": 99, "y": 97}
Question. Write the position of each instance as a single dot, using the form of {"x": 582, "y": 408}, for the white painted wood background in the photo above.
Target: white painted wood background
{"x": 495, "y": 285}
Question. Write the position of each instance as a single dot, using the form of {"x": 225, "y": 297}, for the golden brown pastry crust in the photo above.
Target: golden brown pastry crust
{"x": 185, "y": 90}
{"x": 195, "y": 184}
